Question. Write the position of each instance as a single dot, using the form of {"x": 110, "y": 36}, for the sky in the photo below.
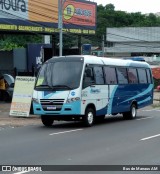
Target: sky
{"x": 143, "y": 6}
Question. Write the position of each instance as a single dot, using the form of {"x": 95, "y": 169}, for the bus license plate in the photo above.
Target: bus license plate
{"x": 51, "y": 107}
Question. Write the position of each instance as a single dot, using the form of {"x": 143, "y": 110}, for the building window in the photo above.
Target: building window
{"x": 110, "y": 44}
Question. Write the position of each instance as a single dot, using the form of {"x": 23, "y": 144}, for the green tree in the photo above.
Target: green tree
{"x": 9, "y": 42}
{"x": 108, "y": 17}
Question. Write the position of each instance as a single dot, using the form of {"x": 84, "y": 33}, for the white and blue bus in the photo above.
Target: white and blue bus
{"x": 88, "y": 87}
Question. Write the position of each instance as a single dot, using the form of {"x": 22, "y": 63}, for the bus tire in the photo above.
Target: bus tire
{"x": 47, "y": 120}
{"x": 89, "y": 117}
{"x": 131, "y": 114}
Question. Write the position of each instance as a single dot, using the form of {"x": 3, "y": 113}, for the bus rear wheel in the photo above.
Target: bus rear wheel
{"x": 47, "y": 120}
{"x": 89, "y": 117}
{"x": 131, "y": 114}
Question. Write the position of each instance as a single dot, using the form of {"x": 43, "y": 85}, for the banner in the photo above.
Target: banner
{"x": 79, "y": 16}
{"x": 22, "y": 96}
{"x": 79, "y": 13}
{"x": 83, "y": 168}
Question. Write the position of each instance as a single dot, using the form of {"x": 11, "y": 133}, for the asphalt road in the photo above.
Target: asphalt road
{"x": 113, "y": 142}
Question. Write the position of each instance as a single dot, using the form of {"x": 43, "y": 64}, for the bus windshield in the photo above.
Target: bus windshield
{"x": 61, "y": 75}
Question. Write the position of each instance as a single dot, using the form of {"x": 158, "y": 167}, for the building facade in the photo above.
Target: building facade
{"x": 133, "y": 41}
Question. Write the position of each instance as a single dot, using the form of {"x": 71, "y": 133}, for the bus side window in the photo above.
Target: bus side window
{"x": 88, "y": 77}
{"x": 110, "y": 75}
{"x": 132, "y": 76}
{"x": 142, "y": 75}
{"x": 122, "y": 76}
{"x": 99, "y": 77}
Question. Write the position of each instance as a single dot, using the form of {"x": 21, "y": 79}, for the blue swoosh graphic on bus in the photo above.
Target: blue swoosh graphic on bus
{"x": 145, "y": 100}
{"x": 149, "y": 89}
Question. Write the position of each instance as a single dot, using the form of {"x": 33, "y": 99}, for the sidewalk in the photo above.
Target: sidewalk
{"x": 156, "y": 97}
{"x": 6, "y": 120}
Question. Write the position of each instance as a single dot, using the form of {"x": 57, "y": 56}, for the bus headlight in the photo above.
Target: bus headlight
{"x": 35, "y": 100}
{"x": 72, "y": 100}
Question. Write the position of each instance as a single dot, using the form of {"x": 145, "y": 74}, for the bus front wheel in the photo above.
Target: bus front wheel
{"x": 47, "y": 120}
{"x": 89, "y": 117}
{"x": 132, "y": 113}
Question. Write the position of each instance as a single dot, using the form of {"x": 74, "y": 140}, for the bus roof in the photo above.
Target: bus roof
{"x": 90, "y": 59}
{"x": 135, "y": 59}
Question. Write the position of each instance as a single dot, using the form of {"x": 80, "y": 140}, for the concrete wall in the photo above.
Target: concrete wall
{"x": 133, "y": 40}
{"x": 134, "y": 47}
{"x": 112, "y": 54}
{"x": 133, "y": 34}
{"x": 11, "y": 59}
{"x": 6, "y": 61}
{"x": 20, "y": 59}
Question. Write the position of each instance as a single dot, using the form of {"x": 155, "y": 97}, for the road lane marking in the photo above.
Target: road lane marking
{"x": 147, "y": 138}
{"x": 149, "y": 110}
{"x": 144, "y": 118}
{"x": 66, "y": 132}
{"x": 22, "y": 172}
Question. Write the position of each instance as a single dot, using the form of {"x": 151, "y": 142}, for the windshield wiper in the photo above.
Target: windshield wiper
{"x": 61, "y": 86}
{"x": 44, "y": 86}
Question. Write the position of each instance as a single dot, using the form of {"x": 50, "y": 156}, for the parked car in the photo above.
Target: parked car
{"x": 8, "y": 87}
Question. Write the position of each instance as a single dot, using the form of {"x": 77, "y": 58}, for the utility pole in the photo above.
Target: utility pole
{"x": 79, "y": 44}
{"x": 53, "y": 45}
{"x": 103, "y": 45}
{"x": 60, "y": 25}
